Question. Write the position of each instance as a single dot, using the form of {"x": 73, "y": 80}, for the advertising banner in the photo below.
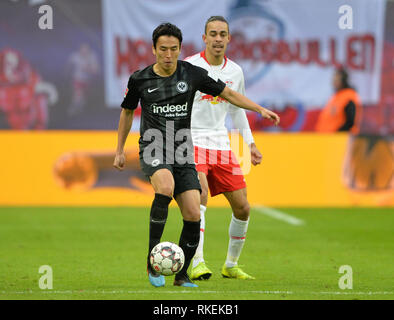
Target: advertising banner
{"x": 288, "y": 49}
{"x": 73, "y": 76}
{"x": 298, "y": 170}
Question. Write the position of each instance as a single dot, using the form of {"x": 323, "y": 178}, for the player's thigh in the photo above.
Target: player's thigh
{"x": 239, "y": 203}
{"x": 189, "y": 204}
{"x": 204, "y": 186}
{"x": 162, "y": 181}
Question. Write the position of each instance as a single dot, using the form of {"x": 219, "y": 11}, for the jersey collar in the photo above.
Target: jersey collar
{"x": 202, "y": 55}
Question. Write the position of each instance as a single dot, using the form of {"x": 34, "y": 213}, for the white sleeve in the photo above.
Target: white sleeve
{"x": 239, "y": 119}
{"x": 240, "y": 122}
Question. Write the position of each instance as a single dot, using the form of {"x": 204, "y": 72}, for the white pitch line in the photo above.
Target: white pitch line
{"x": 158, "y": 290}
{"x": 108, "y": 292}
{"x": 279, "y": 215}
{"x": 368, "y": 293}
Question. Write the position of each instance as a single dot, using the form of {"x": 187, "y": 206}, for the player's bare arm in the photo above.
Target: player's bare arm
{"x": 125, "y": 122}
{"x": 255, "y": 155}
{"x": 241, "y": 101}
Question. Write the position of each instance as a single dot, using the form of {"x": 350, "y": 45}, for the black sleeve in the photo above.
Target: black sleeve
{"x": 350, "y": 114}
{"x": 132, "y": 95}
{"x": 206, "y": 84}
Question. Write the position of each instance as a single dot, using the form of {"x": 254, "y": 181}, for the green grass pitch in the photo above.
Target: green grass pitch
{"x": 99, "y": 253}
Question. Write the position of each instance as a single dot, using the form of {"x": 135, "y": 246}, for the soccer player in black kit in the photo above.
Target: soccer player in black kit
{"x": 166, "y": 91}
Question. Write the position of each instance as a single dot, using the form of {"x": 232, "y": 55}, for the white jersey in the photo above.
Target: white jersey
{"x": 83, "y": 65}
{"x": 209, "y": 113}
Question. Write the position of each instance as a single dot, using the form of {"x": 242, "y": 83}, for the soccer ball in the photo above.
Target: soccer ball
{"x": 167, "y": 258}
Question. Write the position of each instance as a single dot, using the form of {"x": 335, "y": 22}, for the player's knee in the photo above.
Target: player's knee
{"x": 242, "y": 212}
{"x": 204, "y": 196}
{"x": 166, "y": 190}
{"x": 195, "y": 215}
{"x": 192, "y": 214}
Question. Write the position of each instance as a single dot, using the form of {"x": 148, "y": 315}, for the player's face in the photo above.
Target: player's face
{"x": 167, "y": 52}
{"x": 216, "y": 38}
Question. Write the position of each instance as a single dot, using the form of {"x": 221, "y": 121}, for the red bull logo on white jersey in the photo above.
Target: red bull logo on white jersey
{"x": 211, "y": 99}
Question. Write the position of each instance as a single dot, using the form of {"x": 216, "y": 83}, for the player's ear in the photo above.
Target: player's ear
{"x": 229, "y": 37}
{"x": 153, "y": 50}
{"x": 179, "y": 50}
{"x": 204, "y": 37}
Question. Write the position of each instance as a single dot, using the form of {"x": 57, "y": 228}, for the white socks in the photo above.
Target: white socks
{"x": 199, "y": 255}
{"x": 237, "y": 233}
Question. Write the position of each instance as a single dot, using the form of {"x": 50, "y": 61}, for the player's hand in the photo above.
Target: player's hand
{"x": 255, "y": 155}
{"x": 272, "y": 116}
{"x": 120, "y": 160}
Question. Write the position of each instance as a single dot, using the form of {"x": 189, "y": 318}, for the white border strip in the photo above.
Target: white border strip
{"x": 279, "y": 215}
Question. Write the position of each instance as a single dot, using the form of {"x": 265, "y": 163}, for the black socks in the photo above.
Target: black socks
{"x": 190, "y": 235}
{"x": 158, "y": 218}
{"x": 188, "y": 241}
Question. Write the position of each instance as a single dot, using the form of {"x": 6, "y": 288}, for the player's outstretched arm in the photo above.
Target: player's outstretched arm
{"x": 255, "y": 155}
{"x": 241, "y": 101}
{"x": 240, "y": 122}
{"x": 125, "y": 122}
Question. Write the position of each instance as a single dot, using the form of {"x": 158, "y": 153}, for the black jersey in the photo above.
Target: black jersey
{"x": 166, "y": 105}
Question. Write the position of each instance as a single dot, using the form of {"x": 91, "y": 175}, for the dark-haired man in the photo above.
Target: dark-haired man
{"x": 343, "y": 111}
{"x": 166, "y": 91}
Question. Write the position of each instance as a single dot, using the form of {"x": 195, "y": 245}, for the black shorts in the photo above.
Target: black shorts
{"x": 185, "y": 177}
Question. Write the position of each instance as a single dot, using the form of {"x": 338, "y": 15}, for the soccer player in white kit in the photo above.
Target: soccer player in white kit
{"x": 215, "y": 162}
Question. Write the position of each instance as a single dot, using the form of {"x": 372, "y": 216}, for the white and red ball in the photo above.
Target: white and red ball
{"x": 167, "y": 258}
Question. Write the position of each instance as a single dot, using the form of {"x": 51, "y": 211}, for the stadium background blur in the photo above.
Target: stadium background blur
{"x": 318, "y": 201}
{"x": 60, "y": 91}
